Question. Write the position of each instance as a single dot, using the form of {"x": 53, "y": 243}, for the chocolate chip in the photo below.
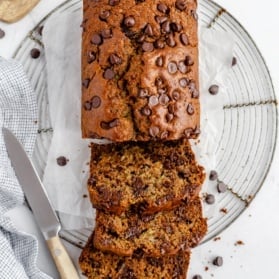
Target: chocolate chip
{"x": 164, "y": 135}
{"x": 39, "y": 30}
{"x": 189, "y": 61}
{"x": 166, "y": 29}
{"x": 113, "y": 2}
{"x": 129, "y": 21}
{"x": 106, "y": 33}
{"x": 159, "y": 44}
{"x": 61, "y": 161}
{"x": 175, "y": 95}
{"x": 197, "y": 131}
{"x": 143, "y": 92}
{"x": 172, "y": 108}
{"x": 163, "y": 8}
{"x": 188, "y": 133}
{"x": 86, "y": 82}
{"x": 147, "y": 47}
{"x": 190, "y": 109}
{"x": 218, "y": 261}
{"x": 154, "y": 131}
{"x": 180, "y": 5}
{"x": 194, "y": 15}
{"x": 183, "y": 82}
{"x": 213, "y": 175}
{"x": 169, "y": 117}
{"x": 175, "y": 27}
{"x": 182, "y": 67}
{"x": 197, "y": 276}
{"x": 158, "y": 82}
{"x": 213, "y": 89}
{"x": 96, "y": 102}
{"x": 162, "y": 90}
{"x": 184, "y": 39}
{"x": 96, "y": 39}
{"x": 210, "y": 199}
{"x": 148, "y": 30}
{"x": 109, "y": 125}
{"x": 221, "y": 187}
{"x": 170, "y": 41}
{"x": 141, "y": 39}
{"x": 160, "y": 61}
{"x": 234, "y": 61}
{"x": 2, "y": 33}
{"x": 161, "y": 19}
{"x": 109, "y": 74}
{"x": 87, "y": 105}
{"x": 153, "y": 101}
{"x": 115, "y": 59}
{"x": 172, "y": 67}
{"x": 104, "y": 15}
{"x": 35, "y": 53}
{"x": 91, "y": 57}
{"x": 146, "y": 111}
{"x": 164, "y": 99}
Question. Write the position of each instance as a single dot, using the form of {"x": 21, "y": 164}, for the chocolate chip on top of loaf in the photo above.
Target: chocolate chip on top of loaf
{"x": 97, "y": 264}
{"x": 163, "y": 233}
{"x": 143, "y": 176}
{"x": 140, "y": 70}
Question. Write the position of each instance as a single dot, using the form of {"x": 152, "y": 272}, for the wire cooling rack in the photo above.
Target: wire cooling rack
{"x": 248, "y": 138}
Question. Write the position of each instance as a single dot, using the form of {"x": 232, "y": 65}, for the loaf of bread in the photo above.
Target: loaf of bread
{"x": 97, "y": 264}
{"x": 140, "y": 70}
{"x": 143, "y": 176}
{"x": 163, "y": 233}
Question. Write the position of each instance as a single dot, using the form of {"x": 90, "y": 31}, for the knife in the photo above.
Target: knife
{"x": 40, "y": 204}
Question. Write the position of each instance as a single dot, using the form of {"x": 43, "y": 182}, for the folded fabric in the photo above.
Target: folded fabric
{"x": 18, "y": 112}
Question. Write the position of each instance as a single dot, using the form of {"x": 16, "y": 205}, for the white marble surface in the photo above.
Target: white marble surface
{"x": 258, "y": 226}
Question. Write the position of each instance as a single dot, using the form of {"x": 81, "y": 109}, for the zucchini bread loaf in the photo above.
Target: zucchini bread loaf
{"x": 97, "y": 264}
{"x": 140, "y": 70}
{"x": 145, "y": 177}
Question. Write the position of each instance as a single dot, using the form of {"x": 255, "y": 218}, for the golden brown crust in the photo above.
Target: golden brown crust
{"x": 141, "y": 63}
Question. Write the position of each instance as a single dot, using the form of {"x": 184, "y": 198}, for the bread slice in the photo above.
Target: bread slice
{"x": 147, "y": 177}
{"x": 96, "y": 264}
{"x": 163, "y": 233}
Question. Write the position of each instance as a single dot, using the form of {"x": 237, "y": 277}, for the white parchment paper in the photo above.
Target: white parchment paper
{"x": 66, "y": 185}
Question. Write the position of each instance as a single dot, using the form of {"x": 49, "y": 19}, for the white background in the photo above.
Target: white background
{"x": 258, "y": 226}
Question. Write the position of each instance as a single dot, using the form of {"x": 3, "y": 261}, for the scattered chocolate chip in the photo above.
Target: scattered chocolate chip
{"x": 154, "y": 131}
{"x": 182, "y": 67}
{"x": 113, "y": 2}
{"x": 148, "y": 30}
{"x": 85, "y": 82}
{"x": 2, "y": 33}
{"x": 87, "y": 105}
{"x": 162, "y": 90}
{"x": 172, "y": 67}
{"x": 106, "y": 33}
{"x": 61, "y": 161}
{"x": 175, "y": 95}
{"x": 189, "y": 61}
{"x": 104, "y": 15}
{"x": 194, "y": 15}
{"x": 163, "y": 8}
{"x": 164, "y": 99}
{"x": 176, "y": 27}
{"x": 234, "y": 61}
{"x": 147, "y": 47}
{"x": 91, "y": 57}
{"x": 141, "y": 39}
{"x": 161, "y": 19}
{"x": 115, "y": 59}
{"x": 164, "y": 135}
{"x": 169, "y": 117}
{"x": 159, "y": 44}
{"x": 184, "y": 39}
{"x": 39, "y": 30}
{"x": 180, "y": 5}
{"x": 143, "y": 92}
{"x": 166, "y": 28}
{"x": 172, "y": 108}
{"x": 221, "y": 187}
{"x": 213, "y": 89}
{"x": 96, "y": 39}
{"x": 153, "y": 101}
{"x": 160, "y": 61}
{"x": 35, "y": 53}
{"x": 197, "y": 131}
{"x": 170, "y": 41}
{"x": 109, "y": 125}
{"x": 146, "y": 111}
{"x": 213, "y": 175}
{"x": 96, "y": 102}
{"x": 190, "y": 109}
{"x": 129, "y": 21}
{"x": 210, "y": 199}
{"x": 183, "y": 82}
{"x": 188, "y": 133}
{"x": 109, "y": 74}
{"x": 158, "y": 82}
{"x": 218, "y": 261}
{"x": 197, "y": 276}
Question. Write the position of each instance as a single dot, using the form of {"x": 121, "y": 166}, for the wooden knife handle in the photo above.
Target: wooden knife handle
{"x": 61, "y": 258}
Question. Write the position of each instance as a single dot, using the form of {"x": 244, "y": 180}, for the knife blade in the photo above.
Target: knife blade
{"x": 39, "y": 203}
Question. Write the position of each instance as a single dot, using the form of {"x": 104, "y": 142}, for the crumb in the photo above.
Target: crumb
{"x": 36, "y": 122}
{"x": 250, "y": 215}
{"x": 239, "y": 242}
{"x": 217, "y": 238}
{"x": 224, "y": 210}
{"x": 80, "y": 243}
{"x": 206, "y": 268}
{"x": 87, "y": 163}
{"x": 83, "y": 171}
{"x": 84, "y": 196}
{"x": 212, "y": 275}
